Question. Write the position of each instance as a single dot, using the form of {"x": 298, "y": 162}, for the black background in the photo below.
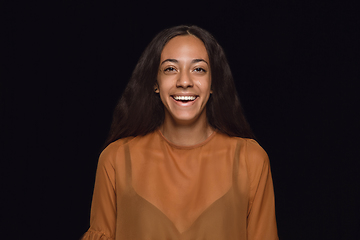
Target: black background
{"x": 296, "y": 66}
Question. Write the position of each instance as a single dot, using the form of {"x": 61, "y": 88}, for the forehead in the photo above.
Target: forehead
{"x": 187, "y": 46}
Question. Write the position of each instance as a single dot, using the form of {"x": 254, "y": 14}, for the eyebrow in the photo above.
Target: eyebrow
{"x": 176, "y": 61}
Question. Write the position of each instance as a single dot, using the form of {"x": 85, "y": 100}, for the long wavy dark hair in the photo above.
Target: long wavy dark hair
{"x": 140, "y": 110}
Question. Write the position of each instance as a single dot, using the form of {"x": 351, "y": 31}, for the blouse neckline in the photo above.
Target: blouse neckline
{"x": 187, "y": 147}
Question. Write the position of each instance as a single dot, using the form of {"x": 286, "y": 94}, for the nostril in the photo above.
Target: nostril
{"x": 184, "y": 81}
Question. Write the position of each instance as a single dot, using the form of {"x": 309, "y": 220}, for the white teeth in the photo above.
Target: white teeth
{"x": 184, "y": 98}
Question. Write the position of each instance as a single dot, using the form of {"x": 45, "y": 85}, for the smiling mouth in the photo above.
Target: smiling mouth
{"x": 184, "y": 98}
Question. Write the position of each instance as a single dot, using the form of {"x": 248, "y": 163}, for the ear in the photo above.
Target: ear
{"x": 156, "y": 88}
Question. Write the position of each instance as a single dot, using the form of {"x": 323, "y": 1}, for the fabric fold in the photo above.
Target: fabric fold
{"x": 95, "y": 235}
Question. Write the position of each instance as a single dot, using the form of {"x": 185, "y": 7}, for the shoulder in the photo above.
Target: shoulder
{"x": 114, "y": 146}
{"x": 252, "y": 153}
{"x": 249, "y": 149}
{"x": 255, "y": 153}
{"x": 256, "y": 159}
{"x": 113, "y": 150}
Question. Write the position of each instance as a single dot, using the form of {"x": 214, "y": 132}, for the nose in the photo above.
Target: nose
{"x": 184, "y": 80}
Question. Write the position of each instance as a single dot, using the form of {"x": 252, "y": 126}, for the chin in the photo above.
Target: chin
{"x": 184, "y": 119}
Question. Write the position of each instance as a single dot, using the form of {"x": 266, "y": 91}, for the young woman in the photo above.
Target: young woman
{"x": 180, "y": 162}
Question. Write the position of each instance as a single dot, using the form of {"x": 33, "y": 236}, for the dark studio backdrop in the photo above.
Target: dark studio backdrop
{"x": 296, "y": 66}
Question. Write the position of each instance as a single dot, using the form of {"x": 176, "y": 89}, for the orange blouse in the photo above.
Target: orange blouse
{"x": 149, "y": 188}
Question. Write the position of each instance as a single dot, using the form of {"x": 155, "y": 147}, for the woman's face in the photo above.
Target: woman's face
{"x": 184, "y": 79}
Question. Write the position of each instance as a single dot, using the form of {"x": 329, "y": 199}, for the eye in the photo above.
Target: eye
{"x": 169, "y": 69}
{"x": 199, "y": 69}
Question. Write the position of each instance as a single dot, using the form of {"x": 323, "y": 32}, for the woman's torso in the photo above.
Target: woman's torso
{"x": 164, "y": 191}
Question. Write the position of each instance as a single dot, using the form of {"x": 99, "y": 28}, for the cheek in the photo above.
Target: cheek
{"x": 205, "y": 86}
{"x": 200, "y": 84}
{"x": 164, "y": 95}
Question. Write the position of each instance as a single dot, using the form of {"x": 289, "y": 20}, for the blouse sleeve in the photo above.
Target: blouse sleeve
{"x": 103, "y": 208}
{"x": 261, "y": 214}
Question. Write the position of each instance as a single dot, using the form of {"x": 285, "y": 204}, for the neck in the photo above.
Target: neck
{"x": 186, "y": 134}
